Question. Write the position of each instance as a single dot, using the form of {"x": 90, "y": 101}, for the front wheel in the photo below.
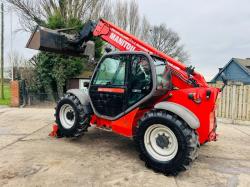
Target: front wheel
{"x": 70, "y": 117}
{"x": 166, "y": 143}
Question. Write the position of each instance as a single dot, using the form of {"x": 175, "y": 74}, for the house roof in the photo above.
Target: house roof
{"x": 243, "y": 63}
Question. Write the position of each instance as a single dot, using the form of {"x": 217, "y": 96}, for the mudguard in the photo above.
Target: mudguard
{"x": 83, "y": 98}
{"x": 184, "y": 113}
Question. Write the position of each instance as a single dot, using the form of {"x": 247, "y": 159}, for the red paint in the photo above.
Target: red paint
{"x": 54, "y": 131}
{"x": 123, "y": 126}
{"x": 205, "y": 111}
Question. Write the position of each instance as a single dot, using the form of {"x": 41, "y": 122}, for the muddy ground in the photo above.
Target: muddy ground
{"x": 28, "y": 157}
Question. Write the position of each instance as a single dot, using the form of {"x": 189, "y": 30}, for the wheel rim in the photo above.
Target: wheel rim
{"x": 160, "y": 142}
{"x": 67, "y": 116}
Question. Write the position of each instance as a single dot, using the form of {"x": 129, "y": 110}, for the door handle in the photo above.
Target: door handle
{"x": 136, "y": 91}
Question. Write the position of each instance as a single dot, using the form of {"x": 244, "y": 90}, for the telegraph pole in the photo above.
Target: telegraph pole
{"x": 2, "y": 52}
{"x": 11, "y": 45}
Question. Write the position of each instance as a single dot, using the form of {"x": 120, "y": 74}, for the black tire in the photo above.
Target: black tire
{"x": 81, "y": 120}
{"x": 187, "y": 139}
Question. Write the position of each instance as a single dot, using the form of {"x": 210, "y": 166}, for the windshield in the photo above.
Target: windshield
{"x": 162, "y": 73}
{"x": 111, "y": 71}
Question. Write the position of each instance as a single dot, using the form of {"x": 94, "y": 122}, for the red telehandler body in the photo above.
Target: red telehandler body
{"x": 140, "y": 93}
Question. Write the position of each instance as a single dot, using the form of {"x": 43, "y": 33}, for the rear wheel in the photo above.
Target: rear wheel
{"x": 166, "y": 143}
{"x": 70, "y": 117}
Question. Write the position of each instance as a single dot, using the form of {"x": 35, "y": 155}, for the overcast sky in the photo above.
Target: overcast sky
{"x": 212, "y": 31}
{"x": 20, "y": 38}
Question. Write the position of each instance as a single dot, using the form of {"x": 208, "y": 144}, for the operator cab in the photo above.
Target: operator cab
{"x": 123, "y": 81}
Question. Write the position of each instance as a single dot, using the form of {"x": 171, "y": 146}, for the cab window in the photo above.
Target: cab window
{"x": 111, "y": 72}
{"x": 163, "y": 74}
{"x": 140, "y": 78}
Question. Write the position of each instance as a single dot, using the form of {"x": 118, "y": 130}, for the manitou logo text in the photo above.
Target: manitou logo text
{"x": 122, "y": 42}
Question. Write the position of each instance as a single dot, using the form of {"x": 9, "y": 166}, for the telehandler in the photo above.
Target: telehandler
{"x": 138, "y": 92}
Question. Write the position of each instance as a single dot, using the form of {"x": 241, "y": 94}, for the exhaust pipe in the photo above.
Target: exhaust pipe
{"x": 55, "y": 41}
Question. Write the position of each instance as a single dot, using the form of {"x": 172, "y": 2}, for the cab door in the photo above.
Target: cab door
{"x": 120, "y": 82}
{"x": 108, "y": 88}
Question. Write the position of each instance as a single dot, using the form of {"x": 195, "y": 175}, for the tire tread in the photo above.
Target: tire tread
{"x": 190, "y": 135}
{"x": 84, "y": 119}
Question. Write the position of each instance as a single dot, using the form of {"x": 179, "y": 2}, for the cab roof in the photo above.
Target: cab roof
{"x": 135, "y": 52}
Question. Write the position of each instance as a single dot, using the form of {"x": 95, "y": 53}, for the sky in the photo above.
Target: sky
{"x": 20, "y": 38}
{"x": 212, "y": 31}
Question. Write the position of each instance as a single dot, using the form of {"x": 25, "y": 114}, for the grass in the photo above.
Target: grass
{"x": 6, "y": 100}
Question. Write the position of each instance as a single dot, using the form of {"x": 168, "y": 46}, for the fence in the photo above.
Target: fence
{"x": 234, "y": 103}
{"x": 41, "y": 99}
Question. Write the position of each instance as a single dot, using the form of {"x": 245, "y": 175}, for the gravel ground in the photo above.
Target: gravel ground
{"x": 28, "y": 157}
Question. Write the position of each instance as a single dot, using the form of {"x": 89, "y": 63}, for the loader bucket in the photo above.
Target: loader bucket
{"x": 48, "y": 40}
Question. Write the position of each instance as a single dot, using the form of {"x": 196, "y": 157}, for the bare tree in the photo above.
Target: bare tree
{"x": 22, "y": 68}
{"x": 107, "y": 11}
{"x": 145, "y": 29}
{"x": 167, "y": 41}
{"x": 134, "y": 18}
{"x": 96, "y": 10}
{"x": 121, "y": 14}
{"x": 33, "y": 12}
{"x": 125, "y": 14}
{"x": 17, "y": 63}
{"x": 29, "y": 13}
